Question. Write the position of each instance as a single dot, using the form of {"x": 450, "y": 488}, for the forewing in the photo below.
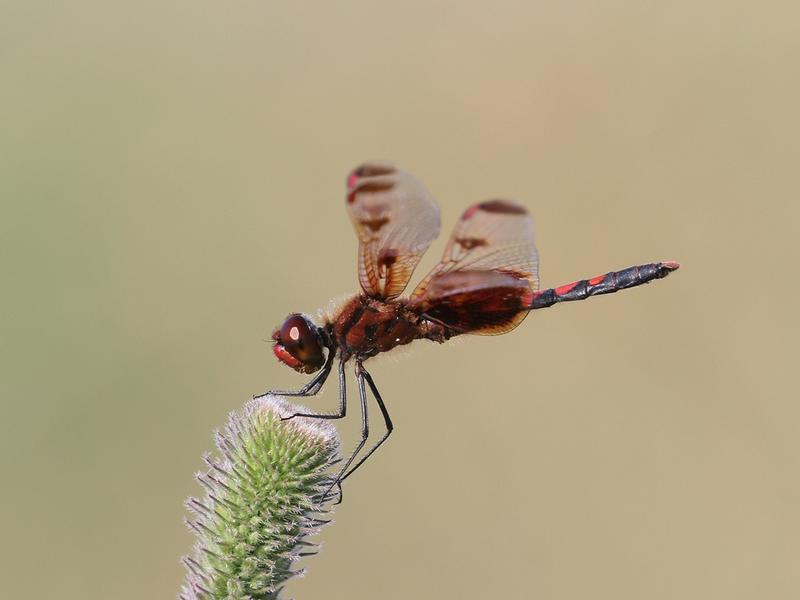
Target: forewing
{"x": 485, "y": 281}
{"x": 396, "y": 219}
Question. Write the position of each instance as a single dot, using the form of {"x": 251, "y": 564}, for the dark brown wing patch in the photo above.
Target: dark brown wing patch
{"x": 495, "y": 206}
{"x": 375, "y": 224}
{"x": 479, "y": 302}
{"x": 368, "y": 186}
{"x": 468, "y": 243}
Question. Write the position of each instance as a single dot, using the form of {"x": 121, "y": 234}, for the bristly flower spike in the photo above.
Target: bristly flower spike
{"x": 262, "y": 500}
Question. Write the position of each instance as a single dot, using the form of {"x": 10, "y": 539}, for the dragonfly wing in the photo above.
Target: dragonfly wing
{"x": 396, "y": 219}
{"x": 485, "y": 282}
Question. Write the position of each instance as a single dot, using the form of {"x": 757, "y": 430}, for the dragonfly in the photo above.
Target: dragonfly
{"x": 485, "y": 284}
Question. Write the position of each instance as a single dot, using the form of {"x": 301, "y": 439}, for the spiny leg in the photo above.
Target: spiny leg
{"x": 342, "y": 401}
{"x": 362, "y": 396}
{"x": 386, "y": 419}
{"x": 312, "y": 388}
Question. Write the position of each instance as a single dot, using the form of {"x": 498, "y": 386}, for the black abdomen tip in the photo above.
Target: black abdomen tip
{"x": 667, "y": 267}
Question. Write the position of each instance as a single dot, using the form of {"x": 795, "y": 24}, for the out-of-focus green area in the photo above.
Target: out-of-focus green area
{"x": 171, "y": 186}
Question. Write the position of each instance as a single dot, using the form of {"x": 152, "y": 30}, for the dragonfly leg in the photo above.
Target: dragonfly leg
{"x": 362, "y": 395}
{"x": 312, "y": 388}
{"x": 342, "y": 401}
{"x": 386, "y": 418}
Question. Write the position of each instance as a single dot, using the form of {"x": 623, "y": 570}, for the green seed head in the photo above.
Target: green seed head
{"x": 261, "y": 502}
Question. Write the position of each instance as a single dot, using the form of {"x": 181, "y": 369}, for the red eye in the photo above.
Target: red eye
{"x": 298, "y": 345}
{"x": 295, "y": 330}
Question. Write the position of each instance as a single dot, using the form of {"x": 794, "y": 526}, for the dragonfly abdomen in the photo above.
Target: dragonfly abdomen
{"x": 603, "y": 284}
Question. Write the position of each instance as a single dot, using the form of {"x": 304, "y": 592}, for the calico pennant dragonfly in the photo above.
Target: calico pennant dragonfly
{"x": 486, "y": 283}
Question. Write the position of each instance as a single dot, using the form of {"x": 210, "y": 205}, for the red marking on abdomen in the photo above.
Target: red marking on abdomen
{"x": 351, "y": 181}
{"x": 596, "y": 280}
{"x": 565, "y": 289}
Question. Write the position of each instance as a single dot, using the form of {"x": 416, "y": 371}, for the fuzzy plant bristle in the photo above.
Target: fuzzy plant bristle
{"x": 262, "y": 502}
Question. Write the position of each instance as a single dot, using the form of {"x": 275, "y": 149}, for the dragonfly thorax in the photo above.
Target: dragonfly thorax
{"x": 368, "y": 326}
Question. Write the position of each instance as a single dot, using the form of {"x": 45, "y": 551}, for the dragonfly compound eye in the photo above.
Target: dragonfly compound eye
{"x": 298, "y": 344}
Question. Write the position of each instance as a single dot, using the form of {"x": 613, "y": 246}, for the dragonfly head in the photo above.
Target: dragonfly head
{"x": 299, "y": 343}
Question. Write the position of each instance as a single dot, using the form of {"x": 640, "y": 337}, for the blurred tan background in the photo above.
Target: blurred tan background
{"x": 171, "y": 186}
